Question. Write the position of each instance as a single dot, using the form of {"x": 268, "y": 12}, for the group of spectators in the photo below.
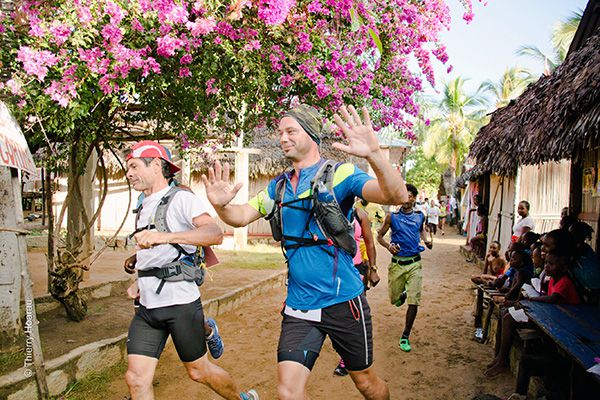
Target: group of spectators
{"x": 565, "y": 264}
{"x": 438, "y": 214}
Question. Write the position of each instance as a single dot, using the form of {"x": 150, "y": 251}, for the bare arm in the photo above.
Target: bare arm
{"x": 238, "y": 215}
{"x": 207, "y": 233}
{"x": 389, "y": 188}
{"x": 423, "y": 234}
{"x": 515, "y": 289}
{"x": 220, "y": 194}
{"x": 554, "y": 298}
{"x": 367, "y": 236}
{"x": 486, "y": 265}
{"x": 382, "y": 231}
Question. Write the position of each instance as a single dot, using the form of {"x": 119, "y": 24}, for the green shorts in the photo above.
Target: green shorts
{"x": 405, "y": 277}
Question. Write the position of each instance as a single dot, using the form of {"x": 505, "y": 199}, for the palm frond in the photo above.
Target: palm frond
{"x": 563, "y": 33}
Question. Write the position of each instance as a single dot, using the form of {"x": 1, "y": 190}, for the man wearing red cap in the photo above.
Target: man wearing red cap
{"x": 169, "y": 306}
{"x": 325, "y": 292}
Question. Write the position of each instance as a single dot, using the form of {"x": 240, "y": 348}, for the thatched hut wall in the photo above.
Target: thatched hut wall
{"x": 546, "y": 188}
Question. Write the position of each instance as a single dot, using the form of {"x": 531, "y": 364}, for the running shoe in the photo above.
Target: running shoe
{"x": 214, "y": 341}
{"x": 249, "y": 395}
{"x": 405, "y": 345}
{"x": 479, "y": 334}
{"x": 340, "y": 370}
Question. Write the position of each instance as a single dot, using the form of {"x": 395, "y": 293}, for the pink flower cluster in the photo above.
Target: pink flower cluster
{"x": 322, "y": 51}
{"x": 274, "y": 12}
{"x": 36, "y": 62}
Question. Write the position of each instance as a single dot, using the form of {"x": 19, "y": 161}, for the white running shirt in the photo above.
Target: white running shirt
{"x": 184, "y": 207}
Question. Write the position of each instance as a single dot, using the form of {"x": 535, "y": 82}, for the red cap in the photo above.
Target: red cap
{"x": 151, "y": 149}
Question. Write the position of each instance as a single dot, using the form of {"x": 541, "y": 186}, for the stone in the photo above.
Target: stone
{"x": 57, "y": 382}
{"x": 29, "y": 392}
{"x": 102, "y": 291}
{"x": 97, "y": 360}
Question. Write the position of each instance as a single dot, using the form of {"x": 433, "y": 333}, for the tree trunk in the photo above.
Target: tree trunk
{"x": 448, "y": 179}
{"x": 70, "y": 263}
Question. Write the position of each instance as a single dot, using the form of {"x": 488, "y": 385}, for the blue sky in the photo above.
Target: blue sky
{"x": 484, "y": 48}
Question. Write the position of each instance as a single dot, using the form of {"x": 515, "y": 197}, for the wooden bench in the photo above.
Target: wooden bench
{"x": 484, "y": 302}
{"x": 575, "y": 329}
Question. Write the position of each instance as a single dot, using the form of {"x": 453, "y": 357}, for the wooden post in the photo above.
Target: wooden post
{"x": 33, "y": 342}
{"x": 12, "y": 231}
{"x": 240, "y": 235}
{"x": 10, "y": 279}
{"x": 242, "y": 157}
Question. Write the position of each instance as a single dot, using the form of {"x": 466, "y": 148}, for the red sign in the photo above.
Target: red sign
{"x": 14, "y": 151}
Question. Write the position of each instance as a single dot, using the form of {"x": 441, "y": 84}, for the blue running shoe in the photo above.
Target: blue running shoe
{"x": 249, "y": 395}
{"x": 214, "y": 341}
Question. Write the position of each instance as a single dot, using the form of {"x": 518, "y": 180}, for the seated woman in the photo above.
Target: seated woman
{"x": 477, "y": 243}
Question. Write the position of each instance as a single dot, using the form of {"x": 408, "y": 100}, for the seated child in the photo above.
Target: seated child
{"x": 561, "y": 290}
{"x": 494, "y": 265}
{"x": 529, "y": 238}
{"x": 520, "y": 273}
{"x": 510, "y": 283}
{"x": 536, "y": 258}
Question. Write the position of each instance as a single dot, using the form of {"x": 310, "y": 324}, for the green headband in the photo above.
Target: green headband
{"x": 309, "y": 119}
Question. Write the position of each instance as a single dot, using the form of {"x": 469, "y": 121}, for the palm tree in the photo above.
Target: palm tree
{"x": 562, "y": 36}
{"x": 457, "y": 118}
{"x": 513, "y": 82}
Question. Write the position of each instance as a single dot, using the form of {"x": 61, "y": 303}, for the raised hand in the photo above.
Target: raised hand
{"x": 218, "y": 190}
{"x": 359, "y": 134}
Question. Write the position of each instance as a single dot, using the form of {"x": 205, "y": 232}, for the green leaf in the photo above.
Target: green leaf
{"x": 376, "y": 39}
{"x": 356, "y": 22}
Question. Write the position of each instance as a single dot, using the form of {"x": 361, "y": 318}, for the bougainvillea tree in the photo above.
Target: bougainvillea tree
{"x": 86, "y": 73}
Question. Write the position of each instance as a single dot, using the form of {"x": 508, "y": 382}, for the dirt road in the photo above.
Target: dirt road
{"x": 444, "y": 364}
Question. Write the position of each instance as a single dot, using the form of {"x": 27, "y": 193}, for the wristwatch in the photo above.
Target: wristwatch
{"x": 373, "y": 267}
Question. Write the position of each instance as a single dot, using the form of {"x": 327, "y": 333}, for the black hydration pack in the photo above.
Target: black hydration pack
{"x": 186, "y": 266}
{"x": 325, "y": 210}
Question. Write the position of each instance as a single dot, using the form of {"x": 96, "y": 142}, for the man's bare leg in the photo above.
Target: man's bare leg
{"x": 205, "y": 372}
{"x": 139, "y": 376}
{"x": 370, "y": 385}
{"x": 292, "y": 380}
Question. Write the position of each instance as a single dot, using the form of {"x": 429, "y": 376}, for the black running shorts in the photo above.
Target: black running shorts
{"x": 150, "y": 329}
{"x": 348, "y": 325}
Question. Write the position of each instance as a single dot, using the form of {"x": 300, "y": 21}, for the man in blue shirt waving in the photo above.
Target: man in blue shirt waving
{"x": 405, "y": 278}
{"x": 324, "y": 289}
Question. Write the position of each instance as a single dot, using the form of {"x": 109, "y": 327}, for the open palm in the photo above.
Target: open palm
{"x": 218, "y": 189}
{"x": 359, "y": 133}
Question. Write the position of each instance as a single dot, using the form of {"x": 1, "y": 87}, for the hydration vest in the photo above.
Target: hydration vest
{"x": 186, "y": 266}
{"x": 325, "y": 210}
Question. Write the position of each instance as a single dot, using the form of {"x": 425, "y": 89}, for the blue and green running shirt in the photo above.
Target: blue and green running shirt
{"x": 319, "y": 276}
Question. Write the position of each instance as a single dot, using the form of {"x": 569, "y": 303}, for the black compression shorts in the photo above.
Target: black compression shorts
{"x": 348, "y": 325}
{"x": 150, "y": 329}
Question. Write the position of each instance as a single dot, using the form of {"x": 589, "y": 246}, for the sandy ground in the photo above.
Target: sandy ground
{"x": 444, "y": 364}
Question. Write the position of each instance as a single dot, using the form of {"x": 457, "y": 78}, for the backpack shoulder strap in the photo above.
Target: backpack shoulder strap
{"x": 324, "y": 174}
{"x": 160, "y": 216}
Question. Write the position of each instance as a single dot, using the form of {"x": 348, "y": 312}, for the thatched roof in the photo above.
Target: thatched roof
{"x": 550, "y": 121}
{"x": 463, "y": 180}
